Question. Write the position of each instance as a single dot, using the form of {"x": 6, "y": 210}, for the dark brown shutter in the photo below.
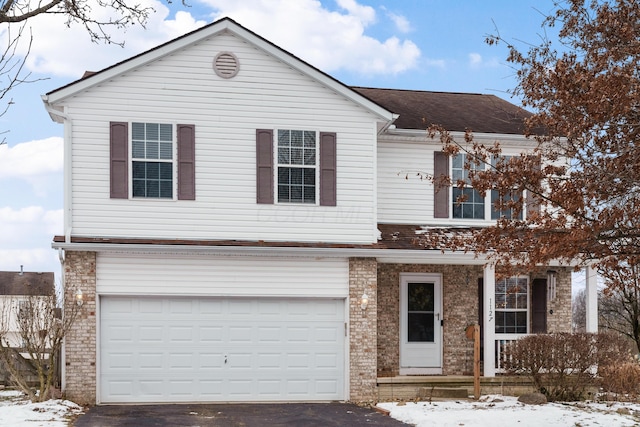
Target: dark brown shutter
{"x": 186, "y": 162}
{"x": 481, "y": 314}
{"x": 531, "y": 200}
{"x": 441, "y": 192}
{"x": 119, "y": 159}
{"x": 328, "y": 196}
{"x": 539, "y": 306}
{"x": 264, "y": 166}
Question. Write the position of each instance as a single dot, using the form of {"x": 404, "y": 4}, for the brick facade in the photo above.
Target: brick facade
{"x": 362, "y": 330}
{"x": 559, "y": 309}
{"x": 80, "y": 341}
{"x": 460, "y": 308}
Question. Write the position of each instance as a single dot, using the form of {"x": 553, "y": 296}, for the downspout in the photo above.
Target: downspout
{"x": 63, "y": 350}
{"x": 68, "y": 127}
{"x": 67, "y": 219}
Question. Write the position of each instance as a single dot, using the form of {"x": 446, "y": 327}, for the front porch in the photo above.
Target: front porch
{"x": 463, "y": 294}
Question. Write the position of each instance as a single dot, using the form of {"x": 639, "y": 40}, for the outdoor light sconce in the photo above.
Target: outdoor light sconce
{"x": 364, "y": 301}
{"x": 551, "y": 285}
{"x": 79, "y": 297}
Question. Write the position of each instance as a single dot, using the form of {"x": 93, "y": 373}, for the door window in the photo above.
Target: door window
{"x": 420, "y": 312}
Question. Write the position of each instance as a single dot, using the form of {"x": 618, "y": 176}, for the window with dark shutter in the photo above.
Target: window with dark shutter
{"x": 153, "y": 161}
{"x": 441, "y": 192}
{"x": 119, "y": 160}
{"x": 302, "y": 157}
{"x": 186, "y": 162}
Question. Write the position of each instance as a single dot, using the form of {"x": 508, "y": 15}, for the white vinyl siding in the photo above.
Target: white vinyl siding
{"x": 129, "y": 274}
{"x": 405, "y": 192}
{"x": 265, "y": 94}
{"x": 403, "y": 196}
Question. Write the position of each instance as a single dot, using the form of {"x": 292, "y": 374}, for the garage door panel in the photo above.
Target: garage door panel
{"x": 209, "y": 349}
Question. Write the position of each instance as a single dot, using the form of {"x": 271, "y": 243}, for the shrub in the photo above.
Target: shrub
{"x": 622, "y": 381}
{"x": 564, "y": 366}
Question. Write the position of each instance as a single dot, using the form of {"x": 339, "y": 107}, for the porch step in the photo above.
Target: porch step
{"x": 443, "y": 392}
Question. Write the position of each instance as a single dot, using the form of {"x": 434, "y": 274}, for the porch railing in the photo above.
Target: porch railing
{"x": 502, "y": 341}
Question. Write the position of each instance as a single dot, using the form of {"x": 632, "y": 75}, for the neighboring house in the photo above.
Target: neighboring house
{"x": 240, "y": 227}
{"x": 20, "y": 290}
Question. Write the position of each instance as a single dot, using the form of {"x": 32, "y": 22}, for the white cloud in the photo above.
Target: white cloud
{"x": 477, "y": 61}
{"x": 31, "y": 159}
{"x": 329, "y": 40}
{"x": 68, "y": 52}
{"x": 365, "y": 13}
{"x": 38, "y": 260}
{"x": 24, "y": 225}
{"x": 402, "y": 23}
{"x": 26, "y": 238}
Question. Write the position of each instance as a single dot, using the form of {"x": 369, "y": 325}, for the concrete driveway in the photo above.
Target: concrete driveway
{"x": 245, "y": 415}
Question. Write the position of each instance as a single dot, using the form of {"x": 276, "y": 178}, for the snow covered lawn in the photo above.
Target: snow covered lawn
{"x": 495, "y": 411}
{"x": 17, "y": 411}
{"x": 489, "y": 411}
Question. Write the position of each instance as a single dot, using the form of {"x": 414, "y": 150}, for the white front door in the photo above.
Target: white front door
{"x": 420, "y": 324}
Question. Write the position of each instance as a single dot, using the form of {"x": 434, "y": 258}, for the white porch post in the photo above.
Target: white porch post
{"x": 489, "y": 321}
{"x": 592, "y": 299}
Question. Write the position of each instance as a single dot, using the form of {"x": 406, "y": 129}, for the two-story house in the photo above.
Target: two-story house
{"x": 240, "y": 228}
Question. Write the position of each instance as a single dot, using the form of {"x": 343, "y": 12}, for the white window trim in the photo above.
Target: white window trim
{"x": 174, "y": 161}
{"x": 487, "y": 201}
{"x": 504, "y": 335}
{"x": 277, "y": 165}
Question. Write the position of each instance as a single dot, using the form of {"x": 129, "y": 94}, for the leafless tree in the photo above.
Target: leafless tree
{"x": 32, "y": 331}
{"x": 579, "y": 311}
{"x": 15, "y": 15}
{"x": 619, "y": 302}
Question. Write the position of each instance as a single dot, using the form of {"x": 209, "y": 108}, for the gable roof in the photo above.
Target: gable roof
{"x": 453, "y": 111}
{"x": 91, "y": 79}
{"x": 26, "y": 283}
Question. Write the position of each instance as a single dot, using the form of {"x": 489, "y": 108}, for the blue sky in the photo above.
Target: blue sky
{"x": 435, "y": 45}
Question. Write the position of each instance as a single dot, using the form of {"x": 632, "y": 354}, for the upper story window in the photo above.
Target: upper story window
{"x": 467, "y": 202}
{"x": 297, "y": 166}
{"x": 149, "y": 160}
{"x": 512, "y": 305}
{"x": 505, "y": 198}
{"x": 152, "y": 160}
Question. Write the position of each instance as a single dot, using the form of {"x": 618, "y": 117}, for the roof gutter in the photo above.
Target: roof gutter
{"x": 425, "y": 256}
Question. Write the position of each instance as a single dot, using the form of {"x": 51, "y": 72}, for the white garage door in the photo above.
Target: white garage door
{"x": 221, "y": 349}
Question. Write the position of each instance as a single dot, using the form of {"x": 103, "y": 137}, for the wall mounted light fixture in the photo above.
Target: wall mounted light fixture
{"x": 79, "y": 297}
{"x": 364, "y": 301}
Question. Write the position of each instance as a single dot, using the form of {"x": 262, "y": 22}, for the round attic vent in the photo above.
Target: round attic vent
{"x": 226, "y": 65}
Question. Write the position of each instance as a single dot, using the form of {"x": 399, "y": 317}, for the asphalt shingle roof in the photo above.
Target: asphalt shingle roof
{"x": 26, "y": 283}
{"x": 453, "y": 111}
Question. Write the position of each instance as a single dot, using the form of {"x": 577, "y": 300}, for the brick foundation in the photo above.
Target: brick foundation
{"x": 80, "y": 341}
